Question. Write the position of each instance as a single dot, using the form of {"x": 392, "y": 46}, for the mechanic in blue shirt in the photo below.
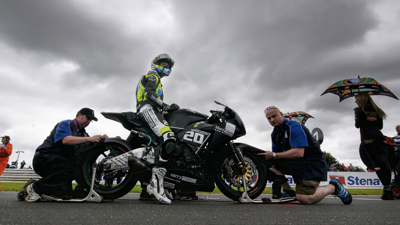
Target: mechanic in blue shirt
{"x": 54, "y": 158}
{"x": 293, "y": 143}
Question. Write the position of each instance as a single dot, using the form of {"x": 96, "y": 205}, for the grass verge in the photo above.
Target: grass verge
{"x": 15, "y": 187}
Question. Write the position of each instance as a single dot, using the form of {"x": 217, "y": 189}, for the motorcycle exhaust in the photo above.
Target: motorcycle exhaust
{"x": 137, "y": 164}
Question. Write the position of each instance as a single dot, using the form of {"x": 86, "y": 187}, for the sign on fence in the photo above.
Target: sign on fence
{"x": 360, "y": 180}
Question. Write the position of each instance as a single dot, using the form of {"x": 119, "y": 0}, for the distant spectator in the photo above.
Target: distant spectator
{"x": 8, "y": 165}
{"x": 13, "y": 165}
{"x": 332, "y": 168}
{"x": 22, "y": 164}
{"x": 350, "y": 168}
{"x": 343, "y": 167}
{"x": 396, "y": 139}
{"x": 29, "y": 167}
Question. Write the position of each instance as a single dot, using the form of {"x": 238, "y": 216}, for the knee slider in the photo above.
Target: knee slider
{"x": 169, "y": 147}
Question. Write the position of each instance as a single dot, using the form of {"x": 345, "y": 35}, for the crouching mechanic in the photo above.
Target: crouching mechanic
{"x": 54, "y": 159}
{"x": 293, "y": 142}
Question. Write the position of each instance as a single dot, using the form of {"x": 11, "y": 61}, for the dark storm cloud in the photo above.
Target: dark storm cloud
{"x": 270, "y": 45}
{"x": 65, "y": 31}
{"x": 272, "y": 33}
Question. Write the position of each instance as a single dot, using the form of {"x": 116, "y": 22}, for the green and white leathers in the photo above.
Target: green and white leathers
{"x": 149, "y": 95}
{"x": 150, "y": 105}
{"x": 149, "y": 91}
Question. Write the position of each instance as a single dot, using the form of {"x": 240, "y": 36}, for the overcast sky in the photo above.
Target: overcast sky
{"x": 59, "y": 56}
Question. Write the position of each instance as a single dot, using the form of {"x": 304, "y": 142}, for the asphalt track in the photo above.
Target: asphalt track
{"x": 209, "y": 209}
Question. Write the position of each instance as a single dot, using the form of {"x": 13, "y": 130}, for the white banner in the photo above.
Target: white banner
{"x": 360, "y": 180}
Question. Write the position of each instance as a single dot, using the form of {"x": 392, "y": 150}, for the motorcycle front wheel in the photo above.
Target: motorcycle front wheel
{"x": 230, "y": 181}
{"x": 108, "y": 187}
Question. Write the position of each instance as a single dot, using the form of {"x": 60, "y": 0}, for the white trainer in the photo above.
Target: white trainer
{"x": 32, "y": 195}
{"x": 156, "y": 186}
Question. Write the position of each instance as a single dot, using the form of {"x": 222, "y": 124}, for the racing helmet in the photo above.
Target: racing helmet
{"x": 163, "y": 57}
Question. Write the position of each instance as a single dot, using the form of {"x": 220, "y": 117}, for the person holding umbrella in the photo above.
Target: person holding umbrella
{"x": 369, "y": 118}
{"x": 373, "y": 151}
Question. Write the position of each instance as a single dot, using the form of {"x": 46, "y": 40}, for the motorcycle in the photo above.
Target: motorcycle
{"x": 210, "y": 157}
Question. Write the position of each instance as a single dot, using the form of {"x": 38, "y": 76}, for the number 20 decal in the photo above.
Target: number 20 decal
{"x": 194, "y": 137}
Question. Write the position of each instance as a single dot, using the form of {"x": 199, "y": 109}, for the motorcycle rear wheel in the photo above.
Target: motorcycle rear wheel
{"x": 109, "y": 189}
{"x": 232, "y": 186}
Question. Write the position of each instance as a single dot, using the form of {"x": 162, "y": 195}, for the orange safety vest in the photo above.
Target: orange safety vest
{"x": 4, "y": 154}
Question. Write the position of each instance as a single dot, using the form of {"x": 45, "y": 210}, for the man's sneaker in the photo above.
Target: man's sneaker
{"x": 156, "y": 186}
{"x": 288, "y": 193}
{"x": 32, "y": 195}
{"x": 22, "y": 193}
{"x": 340, "y": 192}
{"x": 79, "y": 192}
{"x": 387, "y": 195}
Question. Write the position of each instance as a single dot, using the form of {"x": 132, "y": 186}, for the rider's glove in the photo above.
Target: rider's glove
{"x": 171, "y": 107}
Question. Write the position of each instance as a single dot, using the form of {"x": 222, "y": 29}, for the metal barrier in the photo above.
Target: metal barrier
{"x": 18, "y": 175}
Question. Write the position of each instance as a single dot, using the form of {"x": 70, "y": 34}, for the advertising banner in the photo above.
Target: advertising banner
{"x": 360, "y": 180}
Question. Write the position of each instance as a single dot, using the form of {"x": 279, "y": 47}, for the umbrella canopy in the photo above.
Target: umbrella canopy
{"x": 351, "y": 87}
{"x": 298, "y": 116}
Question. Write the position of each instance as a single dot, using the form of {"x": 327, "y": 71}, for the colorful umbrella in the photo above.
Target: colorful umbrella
{"x": 298, "y": 116}
{"x": 351, "y": 87}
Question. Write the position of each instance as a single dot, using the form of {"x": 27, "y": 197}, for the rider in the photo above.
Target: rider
{"x": 150, "y": 108}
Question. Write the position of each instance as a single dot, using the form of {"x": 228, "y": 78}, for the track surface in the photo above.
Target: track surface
{"x": 209, "y": 209}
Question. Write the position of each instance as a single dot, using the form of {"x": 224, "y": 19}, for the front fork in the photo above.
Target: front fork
{"x": 239, "y": 156}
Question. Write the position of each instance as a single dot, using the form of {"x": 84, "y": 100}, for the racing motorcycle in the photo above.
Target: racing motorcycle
{"x": 210, "y": 157}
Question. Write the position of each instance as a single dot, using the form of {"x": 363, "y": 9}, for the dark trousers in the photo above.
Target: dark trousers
{"x": 57, "y": 174}
{"x": 374, "y": 155}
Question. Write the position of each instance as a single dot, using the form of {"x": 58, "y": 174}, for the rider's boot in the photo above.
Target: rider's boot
{"x": 156, "y": 186}
{"x": 169, "y": 148}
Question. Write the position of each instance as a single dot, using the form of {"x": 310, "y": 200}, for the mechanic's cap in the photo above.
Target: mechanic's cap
{"x": 88, "y": 113}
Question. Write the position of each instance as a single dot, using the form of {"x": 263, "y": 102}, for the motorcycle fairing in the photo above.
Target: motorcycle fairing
{"x": 183, "y": 117}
